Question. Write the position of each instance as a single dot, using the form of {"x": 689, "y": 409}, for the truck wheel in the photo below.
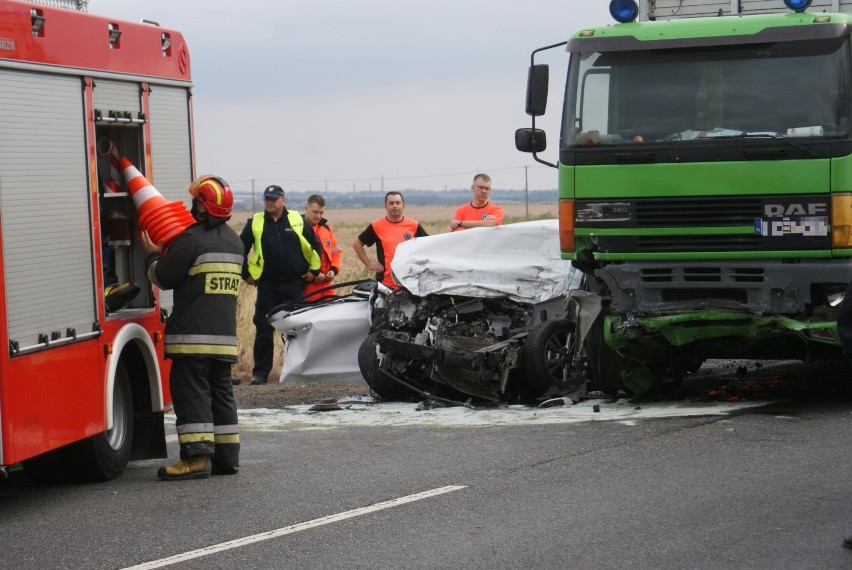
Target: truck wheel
{"x": 104, "y": 456}
{"x": 368, "y": 362}
{"x": 605, "y": 364}
{"x": 547, "y": 354}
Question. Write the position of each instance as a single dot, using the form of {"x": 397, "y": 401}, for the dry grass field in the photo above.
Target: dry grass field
{"x": 347, "y": 223}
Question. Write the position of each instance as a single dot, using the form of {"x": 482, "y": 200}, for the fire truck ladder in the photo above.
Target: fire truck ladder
{"x": 81, "y": 5}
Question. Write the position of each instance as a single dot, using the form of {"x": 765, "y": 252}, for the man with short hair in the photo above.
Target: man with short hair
{"x": 330, "y": 252}
{"x": 281, "y": 255}
{"x": 386, "y": 233}
{"x": 479, "y": 213}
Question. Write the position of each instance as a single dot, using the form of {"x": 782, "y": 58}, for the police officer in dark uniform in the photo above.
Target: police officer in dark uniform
{"x": 203, "y": 266}
{"x": 282, "y": 254}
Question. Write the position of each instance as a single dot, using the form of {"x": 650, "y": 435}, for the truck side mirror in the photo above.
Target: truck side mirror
{"x": 530, "y": 140}
{"x": 537, "y": 84}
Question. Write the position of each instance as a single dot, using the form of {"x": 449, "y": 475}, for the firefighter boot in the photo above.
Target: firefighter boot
{"x": 197, "y": 467}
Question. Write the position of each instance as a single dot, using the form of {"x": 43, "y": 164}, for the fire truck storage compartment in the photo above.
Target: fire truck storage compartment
{"x": 171, "y": 160}
{"x": 48, "y": 262}
{"x": 118, "y": 130}
{"x": 171, "y": 149}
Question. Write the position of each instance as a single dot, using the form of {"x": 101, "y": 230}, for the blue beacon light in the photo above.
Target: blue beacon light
{"x": 797, "y": 5}
{"x": 624, "y": 11}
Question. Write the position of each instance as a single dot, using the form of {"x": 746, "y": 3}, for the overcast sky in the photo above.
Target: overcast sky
{"x": 336, "y": 94}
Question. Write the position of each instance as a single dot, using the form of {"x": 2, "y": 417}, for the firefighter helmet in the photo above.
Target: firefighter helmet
{"x": 215, "y": 194}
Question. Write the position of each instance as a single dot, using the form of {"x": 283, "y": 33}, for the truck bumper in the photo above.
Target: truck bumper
{"x": 770, "y": 287}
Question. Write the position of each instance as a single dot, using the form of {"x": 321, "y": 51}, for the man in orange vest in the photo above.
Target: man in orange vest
{"x": 479, "y": 213}
{"x": 387, "y": 233}
{"x": 330, "y": 252}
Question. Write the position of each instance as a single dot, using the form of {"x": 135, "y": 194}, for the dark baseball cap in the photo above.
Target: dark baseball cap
{"x": 273, "y": 192}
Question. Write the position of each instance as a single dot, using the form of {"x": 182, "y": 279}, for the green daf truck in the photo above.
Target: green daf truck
{"x": 705, "y": 183}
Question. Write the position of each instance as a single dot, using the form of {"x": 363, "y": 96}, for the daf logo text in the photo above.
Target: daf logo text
{"x": 781, "y": 210}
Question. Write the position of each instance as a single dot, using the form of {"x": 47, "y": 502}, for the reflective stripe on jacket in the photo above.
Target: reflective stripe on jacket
{"x": 203, "y": 267}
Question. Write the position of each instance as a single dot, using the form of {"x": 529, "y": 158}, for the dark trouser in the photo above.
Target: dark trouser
{"x": 269, "y": 295}
{"x": 844, "y": 323}
{"x": 206, "y": 413}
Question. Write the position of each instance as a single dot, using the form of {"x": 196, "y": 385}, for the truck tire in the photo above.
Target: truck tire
{"x": 547, "y": 354}
{"x": 104, "y": 456}
{"x": 368, "y": 362}
{"x": 604, "y": 364}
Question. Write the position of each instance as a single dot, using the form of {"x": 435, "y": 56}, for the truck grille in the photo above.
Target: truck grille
{"x": 690, "y": 212}
{"x": 696, "y": 283}
{"x": 650, "y": 244}
{"x": 692, "y": 274}
{"x": 680, "y": 295}
{"x": 708, "y": 224}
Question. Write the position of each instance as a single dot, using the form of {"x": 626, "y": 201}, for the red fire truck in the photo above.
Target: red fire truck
{"x": 83, "y": 382}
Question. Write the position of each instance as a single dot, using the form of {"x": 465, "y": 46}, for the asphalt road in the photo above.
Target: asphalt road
{"x": 762, "y": 487}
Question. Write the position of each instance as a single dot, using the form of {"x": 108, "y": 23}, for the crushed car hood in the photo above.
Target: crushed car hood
{"x": 519, "y": 261}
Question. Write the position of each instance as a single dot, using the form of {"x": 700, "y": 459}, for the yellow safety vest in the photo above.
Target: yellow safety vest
{"x": 255, "y": 260}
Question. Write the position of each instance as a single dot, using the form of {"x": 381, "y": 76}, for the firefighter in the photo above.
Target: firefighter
{"x": 203, "y": 266}
{"x": 282, "y": 255}
{"x": 330, "y": 252}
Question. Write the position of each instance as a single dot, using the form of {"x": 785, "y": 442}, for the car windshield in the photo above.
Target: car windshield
{"x": 783, "y": 89}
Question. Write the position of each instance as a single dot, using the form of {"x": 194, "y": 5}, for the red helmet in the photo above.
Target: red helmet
{"x": 215, "y": 194}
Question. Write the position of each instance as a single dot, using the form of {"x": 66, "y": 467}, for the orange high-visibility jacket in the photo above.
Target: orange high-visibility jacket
{"x": 329, "y": 259}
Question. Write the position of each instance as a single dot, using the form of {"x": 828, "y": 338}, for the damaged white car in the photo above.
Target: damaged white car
{"x": 483, "y": 314}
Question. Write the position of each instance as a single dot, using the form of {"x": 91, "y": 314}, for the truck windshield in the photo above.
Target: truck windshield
{"x": 783, "y": 89}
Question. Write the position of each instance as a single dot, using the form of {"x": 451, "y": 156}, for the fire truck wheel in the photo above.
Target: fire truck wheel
{"x": 104, "y": 456}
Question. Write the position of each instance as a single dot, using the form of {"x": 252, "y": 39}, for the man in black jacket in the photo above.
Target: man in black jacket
{"x": 203, "y": 267}
{"x": 282, "y": 254}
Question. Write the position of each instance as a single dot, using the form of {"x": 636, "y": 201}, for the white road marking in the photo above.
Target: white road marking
{"x": 245, "y": 541}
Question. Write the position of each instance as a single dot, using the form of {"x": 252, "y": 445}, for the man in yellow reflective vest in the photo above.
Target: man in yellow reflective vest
{"x": 282, "y": 255}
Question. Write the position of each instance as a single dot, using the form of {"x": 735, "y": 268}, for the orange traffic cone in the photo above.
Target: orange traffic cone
{"x": 162, "y": 219}
{"x": 107, "y": 148}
